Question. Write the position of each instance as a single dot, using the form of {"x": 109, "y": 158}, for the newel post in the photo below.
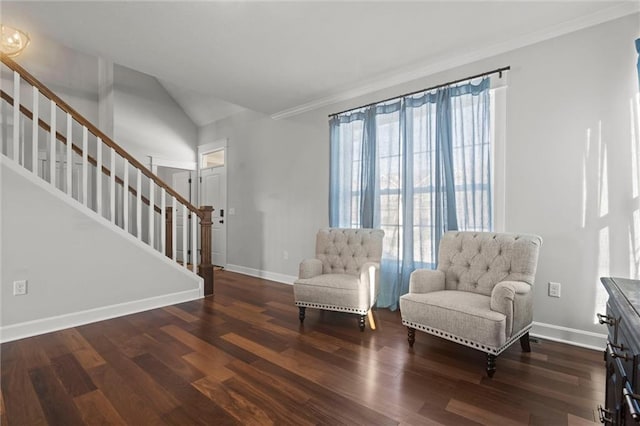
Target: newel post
{"x": 205, "y": 269}
{"x": 168, "y": 247}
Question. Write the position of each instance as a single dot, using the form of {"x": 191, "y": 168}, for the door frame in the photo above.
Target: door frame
{"x": 189, "y": 175}
{"x": 155, "y": 162}
{"x": 207, "y": 148}
{"x": 190, "y": 166}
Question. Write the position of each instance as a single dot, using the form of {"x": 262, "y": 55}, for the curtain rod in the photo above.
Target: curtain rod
{"x": 496, "y": 71}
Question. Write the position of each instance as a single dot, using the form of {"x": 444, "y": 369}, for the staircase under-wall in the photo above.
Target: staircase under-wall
{"x": 91, "y": 229}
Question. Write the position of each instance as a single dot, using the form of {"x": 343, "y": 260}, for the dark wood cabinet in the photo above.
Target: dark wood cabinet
{"x": 622, "y": 354}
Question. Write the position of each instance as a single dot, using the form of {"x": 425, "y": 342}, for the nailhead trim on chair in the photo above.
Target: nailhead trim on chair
{"x": 467, "y": 342}
{"x": 332, "y": 308}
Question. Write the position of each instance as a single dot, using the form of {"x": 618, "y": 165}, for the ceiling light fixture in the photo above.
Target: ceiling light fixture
{"x": 12, "y": 41}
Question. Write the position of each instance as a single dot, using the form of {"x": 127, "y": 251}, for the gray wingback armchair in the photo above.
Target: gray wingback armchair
{"x": 344, "y": 276}
{"x": 479, "y": 296}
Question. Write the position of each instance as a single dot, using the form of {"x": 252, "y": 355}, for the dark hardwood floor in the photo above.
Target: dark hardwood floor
{"x": 241, "y": 357}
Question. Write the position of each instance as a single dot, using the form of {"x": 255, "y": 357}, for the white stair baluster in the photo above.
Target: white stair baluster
{"x": 174, "y": 237}
{"x": 152, "y": 211}
{"x": 99, "y": 176}
{"x": 16, "y": 117}
{"x": 35, "y": 131}
{"x": 163, "y": 221}
{"x": 85, "y": 166}
{"x": 112, "y": 187}
{"x": 185, "y": 233}
{"x": 194, "y": 240}
{"x": 139, "y": 205}
{"x": 69, "y": 164}
{"x": 125, "y": 196}
{"x": 52, "y": 146}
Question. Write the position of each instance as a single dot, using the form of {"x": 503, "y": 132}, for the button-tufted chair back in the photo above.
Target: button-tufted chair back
{"x": 477, "y": 261}
{"x": 344, "y": 251}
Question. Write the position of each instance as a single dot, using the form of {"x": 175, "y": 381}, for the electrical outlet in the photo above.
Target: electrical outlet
{"x": 285, "y": 255}
{"x": 554, "y": 289}
{"x": 20, "y": 288}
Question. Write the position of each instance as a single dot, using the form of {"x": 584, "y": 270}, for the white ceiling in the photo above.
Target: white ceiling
{"x": 280, "y": 57}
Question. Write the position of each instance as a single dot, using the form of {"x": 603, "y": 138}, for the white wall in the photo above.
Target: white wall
{"x": 569, "y": 157}
{"x": 278, "y": 175}
{"x": 105, "y": 97}
{"x": 560, "y": 91}
{"x": 78, "y": 269}
{"x": 147, "y": 121}
{"x": 131, "y": 107}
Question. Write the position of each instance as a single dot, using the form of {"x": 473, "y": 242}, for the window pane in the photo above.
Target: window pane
{"x": 410, "y": 161}
{"x": 213, "y": 159}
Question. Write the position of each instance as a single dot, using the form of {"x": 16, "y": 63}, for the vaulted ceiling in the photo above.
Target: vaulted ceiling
{"x": 283, "y": 57}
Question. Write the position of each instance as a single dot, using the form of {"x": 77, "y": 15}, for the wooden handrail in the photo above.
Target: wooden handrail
{"x": 94, "y": 130}
{"x": 205, "y": 268}
{"x": 47, "y": 128}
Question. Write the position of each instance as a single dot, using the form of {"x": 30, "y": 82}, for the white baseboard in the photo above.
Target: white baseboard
{"x": 570, "y": 336}
{"x": 47, "y": 325}
{"x": 258, "y": 273}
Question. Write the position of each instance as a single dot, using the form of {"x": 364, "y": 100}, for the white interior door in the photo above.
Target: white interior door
{"x": 181, "y": 182}
{"x": 213, "y": 192}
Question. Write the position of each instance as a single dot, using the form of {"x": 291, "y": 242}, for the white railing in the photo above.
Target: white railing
{"x": 72, "y": 155}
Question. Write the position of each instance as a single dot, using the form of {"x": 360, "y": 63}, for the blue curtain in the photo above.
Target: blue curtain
{"x": 368, "y": 174}
{"x": 416, "y": 167}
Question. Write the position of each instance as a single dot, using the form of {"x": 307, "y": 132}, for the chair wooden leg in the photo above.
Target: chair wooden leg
{"x": 301, "y": 312}
{"x": 372, "y": 322}
{"x": 411, "y": 336}
{"x": 361, "y": 322}
{"x": 491, "y": 365}
{"x": 524, "y": 343}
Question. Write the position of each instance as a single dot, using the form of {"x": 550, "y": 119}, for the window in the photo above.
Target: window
{"x": 213, "y": 159}
{"x": 414, "y": 167}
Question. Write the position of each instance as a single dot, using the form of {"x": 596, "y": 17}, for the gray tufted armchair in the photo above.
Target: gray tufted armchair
{"x": 480, "y": 294}
{"x": 344, "y": 276}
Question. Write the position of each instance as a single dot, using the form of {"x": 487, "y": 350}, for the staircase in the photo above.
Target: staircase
{"x": 47, "y": 142}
